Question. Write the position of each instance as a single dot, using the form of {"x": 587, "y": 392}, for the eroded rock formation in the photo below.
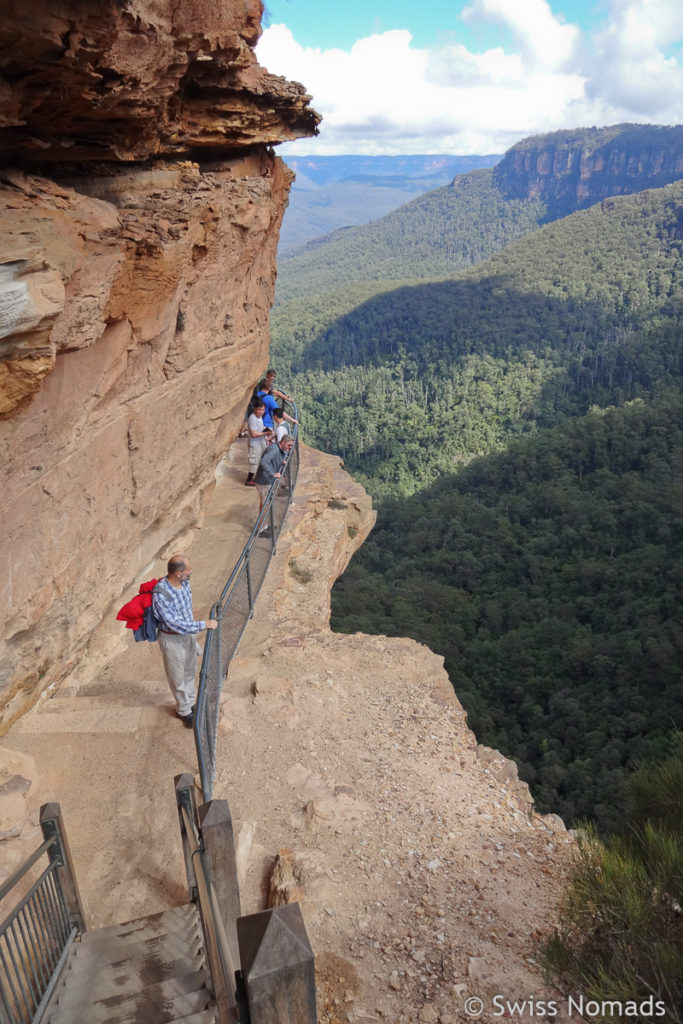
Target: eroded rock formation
{"x": 570, "y": 170}
{"x": 135, "y": 285}
{"x": 103, "y": 80}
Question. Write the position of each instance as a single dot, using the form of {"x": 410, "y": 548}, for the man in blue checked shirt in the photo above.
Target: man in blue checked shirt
{"x": 172, "y": 603}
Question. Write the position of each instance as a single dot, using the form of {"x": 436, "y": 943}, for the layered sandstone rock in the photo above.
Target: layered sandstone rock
{"x": 570, "y": 170}
{"x": 134, "y": 297}
{"x": 103, "y": 80}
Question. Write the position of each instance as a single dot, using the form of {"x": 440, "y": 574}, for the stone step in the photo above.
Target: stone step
{"x": 100, "y": 716}
{"x": 102, "y": 981}
{"x": 158, "y": 1004}
{"x": 165, "y": 922}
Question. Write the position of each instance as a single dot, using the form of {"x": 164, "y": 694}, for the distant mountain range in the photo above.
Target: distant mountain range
{"x": 333, "y": 192}
{"x": 571, "y": 170}
{"x": 539, "y": 179}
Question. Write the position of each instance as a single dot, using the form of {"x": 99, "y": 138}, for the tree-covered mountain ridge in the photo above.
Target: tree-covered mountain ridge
{"x": 330, "y": 193}
{"x": 554, "y": 595}
{"x": 416, "y": 380}
{"x": 444, "y": 231}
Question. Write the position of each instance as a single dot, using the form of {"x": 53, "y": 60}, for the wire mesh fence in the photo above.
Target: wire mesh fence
{"x": 235, "y": 607}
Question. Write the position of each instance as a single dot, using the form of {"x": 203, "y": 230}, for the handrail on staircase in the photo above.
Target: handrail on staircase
{"x": 202, "y": 886}
{"x": 37, "y": 933}
{"x": 276, "y": 980}
{"x": 221, "y": 967}
{"x": 235, "y": 607}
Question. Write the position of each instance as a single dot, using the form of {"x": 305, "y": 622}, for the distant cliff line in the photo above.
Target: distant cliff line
{"x": 571, "y": 170}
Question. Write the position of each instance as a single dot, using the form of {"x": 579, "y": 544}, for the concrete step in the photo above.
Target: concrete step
{"x": 163, "y": 923}
{"x": 158, "y": 1004}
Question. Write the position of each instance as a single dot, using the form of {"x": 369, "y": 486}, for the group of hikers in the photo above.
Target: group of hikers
{"x": 266, "y": 427}
{"x": 162, "y": 610}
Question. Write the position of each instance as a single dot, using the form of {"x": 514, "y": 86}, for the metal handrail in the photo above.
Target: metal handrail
{"x": 35, "y": 938}
{"x": 24, "y": 867}
{"x": 221, "y": 967}
{"x": 235, "y": 607}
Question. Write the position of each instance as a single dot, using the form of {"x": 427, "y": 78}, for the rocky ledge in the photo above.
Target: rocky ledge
{"x": 109, "y": 81}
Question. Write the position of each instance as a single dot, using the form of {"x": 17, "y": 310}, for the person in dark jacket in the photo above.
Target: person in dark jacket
{"x": 270, "y": 467}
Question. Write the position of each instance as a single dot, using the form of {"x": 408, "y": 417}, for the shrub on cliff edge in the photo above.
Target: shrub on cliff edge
{"x": 620, "y": 935}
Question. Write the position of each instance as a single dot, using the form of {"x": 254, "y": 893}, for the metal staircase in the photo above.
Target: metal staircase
{"x": 149, "y": 971}
{"x": 175, "y": 967}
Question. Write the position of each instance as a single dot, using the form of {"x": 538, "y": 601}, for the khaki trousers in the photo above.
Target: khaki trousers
{"x": 180, "y": 652}
{"x": 255, "y": 452}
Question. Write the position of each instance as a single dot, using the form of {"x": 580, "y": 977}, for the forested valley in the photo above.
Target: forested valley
{"x": 518, "y": 423}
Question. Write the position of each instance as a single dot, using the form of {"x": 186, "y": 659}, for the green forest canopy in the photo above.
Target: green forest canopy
{"x": 414, "y": 381}
{"x": 552, "y": 595}
{"x": 550, "y": 576}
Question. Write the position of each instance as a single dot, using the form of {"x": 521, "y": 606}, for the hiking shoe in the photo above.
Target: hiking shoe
{"x": 187, "y": 720}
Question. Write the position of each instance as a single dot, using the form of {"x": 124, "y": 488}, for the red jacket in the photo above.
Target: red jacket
{"x": 133, "y": 612}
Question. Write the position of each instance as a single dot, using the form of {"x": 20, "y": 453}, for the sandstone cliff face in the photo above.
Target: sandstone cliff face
{"x": 134, "y": 297}
{"x": 570, "y": 170}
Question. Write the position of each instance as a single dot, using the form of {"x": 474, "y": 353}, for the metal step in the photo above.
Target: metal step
{"x": 157, "y": 1004}
{"x": 132, "y": 976}
{"x": 168, "y": 947}
{"x": 150, "y": 967}
{"x": 148, "y": 971}
{"x": 205, "y": 1017}
{"x": 154, "y": 924}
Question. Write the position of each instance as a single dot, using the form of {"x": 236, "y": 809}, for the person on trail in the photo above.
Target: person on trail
{"x": 269, "y": 470}
{"x": 279, "y": 425}
{"x": 172, "y": 603}
{"x": 259, "y": 436}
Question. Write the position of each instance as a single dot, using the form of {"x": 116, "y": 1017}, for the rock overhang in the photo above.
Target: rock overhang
{"x": 103, "y": 80}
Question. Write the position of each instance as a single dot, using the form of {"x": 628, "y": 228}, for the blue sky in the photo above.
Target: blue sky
{"x": 393, "y": 76}
{"x": 340, "y": 24}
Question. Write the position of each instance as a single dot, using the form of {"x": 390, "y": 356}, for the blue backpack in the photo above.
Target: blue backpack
{"x": 149, "y": 628}
{"x": 150, "y": 623}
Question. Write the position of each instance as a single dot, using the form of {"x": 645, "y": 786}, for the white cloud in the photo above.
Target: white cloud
{"x": 631, "y": 71}
{"x": 386, "y": 95}
{"x": 544, "y": 41}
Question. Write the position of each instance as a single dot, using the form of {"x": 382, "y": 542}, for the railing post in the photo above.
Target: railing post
{"x": 216, "y": 613}
{"x": 277, "y": 966}
{"x": 185, "y": 797}
{"x": 52, "y": 824}
{"x": 272, "y": 528}
{"x": 249, "y": 590}
{"x": 218, "y": 839}
{"x": 289, "y": 480}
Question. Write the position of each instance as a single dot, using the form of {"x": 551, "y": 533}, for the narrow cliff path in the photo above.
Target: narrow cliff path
{"x": 107, "y": 744}
{"x": 355, "y": 785}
